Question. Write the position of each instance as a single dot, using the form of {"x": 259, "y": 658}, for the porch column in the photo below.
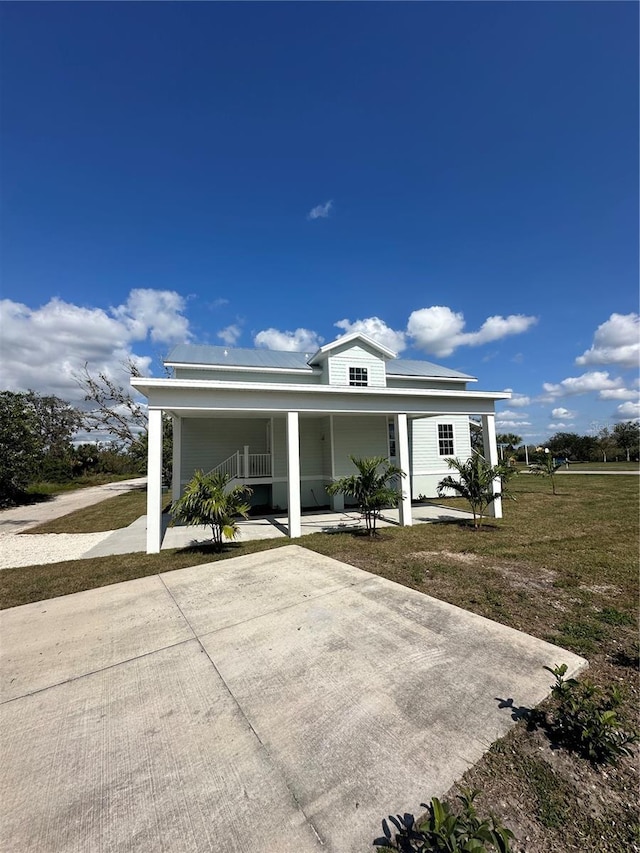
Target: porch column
{"x": 154, "y": 483}
{"x": 293, "y": 474}
{"x": 491, "y": 455}
{"x": 176, "y": 473}
{"x": 402, "y": 449}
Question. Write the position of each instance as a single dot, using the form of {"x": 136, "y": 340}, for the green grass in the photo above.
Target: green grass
{"x": 44, "y": 487}
{"x": 563, "y": 568}
{"x": 112, "y": 514}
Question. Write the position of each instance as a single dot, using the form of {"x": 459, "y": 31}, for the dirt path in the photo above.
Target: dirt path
{"x": 19, "y": 519}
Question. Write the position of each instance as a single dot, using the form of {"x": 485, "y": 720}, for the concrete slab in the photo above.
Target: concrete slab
{"x": 151, "y": 755}
{"x": 279, "y": 701}
{"x": 134, "y": 537}
{"x": 48, "y": 642}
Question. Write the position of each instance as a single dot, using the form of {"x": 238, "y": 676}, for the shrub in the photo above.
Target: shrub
{"x": 371, "y": 487}
{"x": 585, "y": 719}
{"x": 209, "y": 499}
{"x": 475, "y": 482}
{"x": 446, "y": 830}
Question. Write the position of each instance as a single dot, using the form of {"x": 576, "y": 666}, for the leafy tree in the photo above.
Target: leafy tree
{"x": 627, "y": 437}
{"x": 509, "y": 441}
{"x": 475, "y": 483}
{"x": 606, "y": 443}
{"x": 570, "y": 445}
{"x": 371, "y": 487}
{"x": 116, "y": 411}
{"x": 20, "y": 445}
{"x": 547, "y": 466}
{"x": 208, "y": 499}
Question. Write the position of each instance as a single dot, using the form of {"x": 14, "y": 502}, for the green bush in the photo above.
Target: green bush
{"x": 585, "y": 719}
{"x": 445, "y": 830}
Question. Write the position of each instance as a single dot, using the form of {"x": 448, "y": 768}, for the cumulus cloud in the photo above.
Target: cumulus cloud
{"x": 627, "y": 412}
{"x": 302, "y": 340}
{"x": 595, "y": 380}
{"x": 557, "y": 426}
{"x": 616, "y": 341}
{"x": 620, "y": 394}
{"x": 45, "y": 348}
{"x": 321, "y": 211}
{"x": 440, "y": 331}
{"x": 507, "y": 413}
{"x": 520, "y": 400}
{"x": 230, "y": 334}
{"x": 562, "y": 414}
{"x": 511, "y": 424}
{"x": 377, "y": 330}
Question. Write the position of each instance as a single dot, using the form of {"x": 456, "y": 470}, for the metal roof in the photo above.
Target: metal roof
{"x": 408, "y": 367}
{"x": 237, "y": 357}
{"x": 266, "y": 358}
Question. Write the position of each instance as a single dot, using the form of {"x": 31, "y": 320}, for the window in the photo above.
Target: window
{"x": 445, "y": 439}
{"x": 392, "y": 439}
{"x": 358, "y": 376}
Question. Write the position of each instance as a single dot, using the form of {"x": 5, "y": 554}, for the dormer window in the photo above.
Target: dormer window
{"x": 358, "y": 376}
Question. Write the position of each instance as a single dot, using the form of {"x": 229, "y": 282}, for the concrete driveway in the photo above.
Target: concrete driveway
{"x": 274, "y": 702}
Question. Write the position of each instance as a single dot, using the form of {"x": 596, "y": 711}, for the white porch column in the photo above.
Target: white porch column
{"x": 293, "y": 474}
{"x": 154, "y": 483}
{"x": 402, "y": 449}
{"x": 337, "y": 501}
{"x": 176, "y": 472}
{"x": 491, "y": 455}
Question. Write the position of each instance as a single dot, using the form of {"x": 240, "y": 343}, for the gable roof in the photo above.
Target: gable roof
{"x": 324, "y": 351}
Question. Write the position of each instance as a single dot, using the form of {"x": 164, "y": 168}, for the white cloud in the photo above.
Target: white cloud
{"x": 510, "y": 424}
{"x": 302, "y": 340}
{"x": 620, "y": 394}
{"x": 230, "y": 334}
{"x": 519, "y": 400}
{"x": 627, "y": 412}
{"x": 45, "y": 348}
{"x": 616, "y": 341}
{"x": 562, "y": 414}
{"x": 507, "y": 413}
{"x": 321, "y": 211}
{"x": 377, "y": 330}
{"x": 595, "y": 380}
{"x": 440, "y": 331}
{"x": 154, "y": 313}
{"x": 558, "y": 426}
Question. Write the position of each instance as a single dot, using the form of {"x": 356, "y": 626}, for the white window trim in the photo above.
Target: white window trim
{"x": 452, "y": 439}
{"x": 362, "y": 372}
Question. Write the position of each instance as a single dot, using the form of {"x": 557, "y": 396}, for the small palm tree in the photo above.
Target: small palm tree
{"x": 547, "y": 466}
{"x": 475, "y": 483}
{"x": 371, "y": 487}
{"x": 209, "y": 500}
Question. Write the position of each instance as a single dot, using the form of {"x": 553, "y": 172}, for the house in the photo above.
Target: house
{"x": 287, "y": 422}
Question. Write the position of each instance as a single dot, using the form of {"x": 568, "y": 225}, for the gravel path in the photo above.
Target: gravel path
{"x": 25, "y": 550}
{"x": 45, "y": 548}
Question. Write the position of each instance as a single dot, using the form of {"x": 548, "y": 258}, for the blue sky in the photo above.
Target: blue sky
{"x": 459, "y": 180}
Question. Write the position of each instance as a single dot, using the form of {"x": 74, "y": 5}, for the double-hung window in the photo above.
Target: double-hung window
{"x": 358, "y": 376}
{"x": 445, "y": 439}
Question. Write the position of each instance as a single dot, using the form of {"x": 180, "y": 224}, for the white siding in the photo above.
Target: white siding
{"x": 427, "y": 466}
{"x": 248, "y": 376}
{"x": 425, "y": 382}
{"x": 311, "y": 447}
{"x": 208, "y": 441}
{"x": 337, "y": 366}
{"x": 357, "y": 435}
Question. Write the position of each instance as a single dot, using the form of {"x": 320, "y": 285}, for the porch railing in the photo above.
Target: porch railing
{"x": 244, "y": 465}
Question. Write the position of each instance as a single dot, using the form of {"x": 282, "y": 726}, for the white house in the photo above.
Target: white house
{"x": 286, "y": 422}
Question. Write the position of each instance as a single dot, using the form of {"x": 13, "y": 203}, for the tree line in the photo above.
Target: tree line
{"x": 622, "y": 443}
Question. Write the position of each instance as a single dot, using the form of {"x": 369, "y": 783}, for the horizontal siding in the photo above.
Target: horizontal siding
{"x": 358, "y": 436}
{"x": 248, "y": 376}
{"x": 338, "y": 366}
{"x": 208, "y": 441}
{"x": 425, "y": 382}
{"x": 424, "y": 444}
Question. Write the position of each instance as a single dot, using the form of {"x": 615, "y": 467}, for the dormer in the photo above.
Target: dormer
{"x": 354, "y": 361}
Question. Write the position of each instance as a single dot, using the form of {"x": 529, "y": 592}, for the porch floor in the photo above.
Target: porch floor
{"x": 133, "y": 538}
